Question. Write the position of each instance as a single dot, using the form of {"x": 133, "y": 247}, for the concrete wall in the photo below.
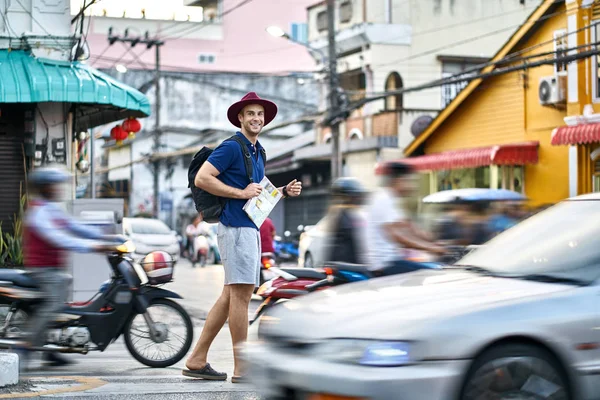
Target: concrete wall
{"x": 38, "y": 18}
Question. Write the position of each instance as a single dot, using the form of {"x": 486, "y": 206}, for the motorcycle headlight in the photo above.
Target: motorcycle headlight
{"x": 127, "y": 247}
{"x": 365, "y": 352}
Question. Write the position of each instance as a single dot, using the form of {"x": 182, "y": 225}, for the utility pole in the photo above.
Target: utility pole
{"x": 157, "y": 130}
{"x": 157, "y": 133}
{"x": 333, "y": 122}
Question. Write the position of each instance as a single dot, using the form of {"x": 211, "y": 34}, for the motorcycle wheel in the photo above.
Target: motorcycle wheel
{"x": 134, "y": 347}
{"x": 18, "y": 323}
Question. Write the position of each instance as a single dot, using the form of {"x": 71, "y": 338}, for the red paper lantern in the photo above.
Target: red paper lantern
{"x": 132, "y": 126}
{"x": 118, "y": 133}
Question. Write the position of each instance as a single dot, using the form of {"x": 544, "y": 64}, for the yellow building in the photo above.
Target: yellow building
{"x": 525, "y": 130}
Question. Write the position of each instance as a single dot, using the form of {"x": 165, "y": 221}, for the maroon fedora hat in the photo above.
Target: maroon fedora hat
{"x": 251, "y": 98}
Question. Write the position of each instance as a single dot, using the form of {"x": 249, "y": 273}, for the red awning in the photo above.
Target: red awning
{"x": 576, "y": 134}
{"x": 510, "y": 154}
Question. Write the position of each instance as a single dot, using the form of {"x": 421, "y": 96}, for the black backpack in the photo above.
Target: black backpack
{"x": 207, "y": 204}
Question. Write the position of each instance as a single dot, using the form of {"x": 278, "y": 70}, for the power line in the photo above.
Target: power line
{"x": 510, "y": 57}
{"x": 469, "y": 40}
{"x": 188, "y": 30}
{"x": 458, "y": 78}
{"x": 283, "y": 74}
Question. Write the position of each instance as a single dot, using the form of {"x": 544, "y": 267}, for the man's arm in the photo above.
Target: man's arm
{"x": 420, "y": 233}
{"x": 45, "y": 224}
{"x": 206, "y": 179}
{"x": 400, "y": 232}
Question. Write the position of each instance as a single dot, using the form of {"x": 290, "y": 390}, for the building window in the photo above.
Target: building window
{"x": 455, "y": 69}
{"x": 355, "y": 84}
{"x": 322, "y": 21}
{"x": 299, "y": 32}
{"x": 356, "y": 134}
{"x": 560, "y": 47}
{"x": 346, "y": 12}
{"x": 206, "y": 58}
{"x": 394, "y": 82}
{"x": 509, "y": 177}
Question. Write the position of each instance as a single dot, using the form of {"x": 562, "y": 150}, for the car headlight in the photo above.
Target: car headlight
{"x": 365, "y": 352}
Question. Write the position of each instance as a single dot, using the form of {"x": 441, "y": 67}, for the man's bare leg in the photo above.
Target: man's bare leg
{"x": 214, "y": 323}
{"x": 240, "y": 296}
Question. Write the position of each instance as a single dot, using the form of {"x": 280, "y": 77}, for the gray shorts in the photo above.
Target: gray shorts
{"x": 240, "y": 254}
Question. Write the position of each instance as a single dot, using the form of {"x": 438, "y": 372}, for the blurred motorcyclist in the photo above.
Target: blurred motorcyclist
{"x": 48, "y": 233}
{"x": 196, "y": 228}
{"x": 345, "y": 223}
{"x": 390, "y": 233}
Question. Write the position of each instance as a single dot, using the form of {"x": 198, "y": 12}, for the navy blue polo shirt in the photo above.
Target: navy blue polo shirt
{"x": 228, "y": 159}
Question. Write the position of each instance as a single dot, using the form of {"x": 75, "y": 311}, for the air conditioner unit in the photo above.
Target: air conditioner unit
{"x": 553, "y": 90}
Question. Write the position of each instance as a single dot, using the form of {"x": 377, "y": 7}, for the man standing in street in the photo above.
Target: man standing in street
{"x": 224, "y": 174}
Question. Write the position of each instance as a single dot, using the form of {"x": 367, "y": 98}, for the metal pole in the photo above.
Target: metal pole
{"x": 157, "y": 132}
{"x": 92, "y": 164}
{"x": 333, "y": 93}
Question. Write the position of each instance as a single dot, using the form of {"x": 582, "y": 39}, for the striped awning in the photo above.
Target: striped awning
{"x": 509, "y": 154}
{"x": 576, "y": 134}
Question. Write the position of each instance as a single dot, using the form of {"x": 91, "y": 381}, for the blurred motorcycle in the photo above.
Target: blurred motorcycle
{"x": 201, "y": 250}
{"x": 129, "y": 304}
{"x": 294, "y": 282}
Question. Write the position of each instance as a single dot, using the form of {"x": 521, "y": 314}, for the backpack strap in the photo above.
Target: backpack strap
{"x": 247, "y": 157}
{"x": 263, "y": 154}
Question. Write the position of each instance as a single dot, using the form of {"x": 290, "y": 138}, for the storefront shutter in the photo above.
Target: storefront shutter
{"x": 12, "y": 173}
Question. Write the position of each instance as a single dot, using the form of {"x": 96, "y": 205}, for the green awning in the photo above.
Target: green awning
{"x": 97, "y": 98}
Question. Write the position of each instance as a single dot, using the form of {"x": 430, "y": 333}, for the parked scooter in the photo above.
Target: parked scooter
{"x": 126, "y": 304}
{"x": 267, "y": 261}
{"x": 286, "y": 250}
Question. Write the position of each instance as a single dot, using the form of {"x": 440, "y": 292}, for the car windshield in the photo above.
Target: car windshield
{"x": 149, "y": 227}
{"x": 561, "y": 242}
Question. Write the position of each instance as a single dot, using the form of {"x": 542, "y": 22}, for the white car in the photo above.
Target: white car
{"x": 518, "y": 318}
{"x": 312, "y": 244}
{"x": 150, "y": 234}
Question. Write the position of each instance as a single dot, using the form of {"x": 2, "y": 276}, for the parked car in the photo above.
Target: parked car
{"x": 312, "y": 244}
{"x": 150, "y": 234}
{"x": 515, "y": 318}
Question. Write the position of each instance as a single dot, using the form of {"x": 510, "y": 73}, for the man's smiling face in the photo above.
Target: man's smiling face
{"x": 252, "y": 119}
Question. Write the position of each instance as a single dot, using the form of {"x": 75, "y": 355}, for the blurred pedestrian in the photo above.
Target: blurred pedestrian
{"x": 345, "y": 224}
{"x": 390, "y": 232}
{"x": 267, "y": 236}
{"x": 224, "y": 174}
{"x": 48, "y": 233}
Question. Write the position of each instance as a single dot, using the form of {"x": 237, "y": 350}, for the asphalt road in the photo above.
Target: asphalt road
{"x": 114, "y": 374}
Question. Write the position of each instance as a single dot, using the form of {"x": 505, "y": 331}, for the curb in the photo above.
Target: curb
{"x": 81, "y": 384}
{"x": 9, "y": 369}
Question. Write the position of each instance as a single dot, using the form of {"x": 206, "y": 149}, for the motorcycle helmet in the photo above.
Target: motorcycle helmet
{"x": 396, "y": 169}
{"x": 348, "y": 188}
{"x": 48, "y": 176}
{"x": 50, "y": 183}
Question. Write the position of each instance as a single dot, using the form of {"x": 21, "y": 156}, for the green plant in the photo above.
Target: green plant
{"x": 11, "y": 245}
